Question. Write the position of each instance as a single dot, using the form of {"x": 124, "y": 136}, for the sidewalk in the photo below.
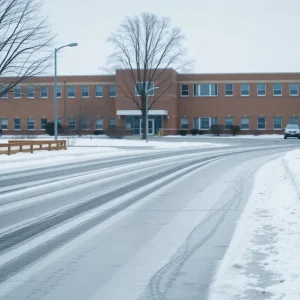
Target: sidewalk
{"x": 262, "y": 261}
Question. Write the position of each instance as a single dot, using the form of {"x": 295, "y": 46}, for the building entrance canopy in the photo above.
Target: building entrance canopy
{"x": 137, "y": 112}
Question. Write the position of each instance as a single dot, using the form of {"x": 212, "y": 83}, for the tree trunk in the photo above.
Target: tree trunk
{"x": 143, "y": 102}
{"x": 143, "y": 124}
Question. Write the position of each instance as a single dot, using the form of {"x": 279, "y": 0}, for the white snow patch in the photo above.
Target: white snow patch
{"x": 24, "y": 161}
{"x": 239, "y": 136}
{"x": 82, "y": 149}
{"x": 272, "y": 215}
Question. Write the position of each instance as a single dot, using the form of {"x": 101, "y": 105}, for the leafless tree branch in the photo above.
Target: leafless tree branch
{"x": 25, "y": 42}
{"x": 147, "y": 46}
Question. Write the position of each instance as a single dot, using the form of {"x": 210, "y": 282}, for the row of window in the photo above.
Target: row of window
{"x": 205, "y": 123}
{"x": 73, "y": 123}
{"x": 71, "y": 91}
{"x": 211, "y": 89}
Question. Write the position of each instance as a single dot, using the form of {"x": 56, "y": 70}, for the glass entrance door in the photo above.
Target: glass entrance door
{"x": 150, "y": 126}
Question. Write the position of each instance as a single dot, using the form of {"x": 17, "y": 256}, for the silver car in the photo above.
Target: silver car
{"x": 292, "y": 130}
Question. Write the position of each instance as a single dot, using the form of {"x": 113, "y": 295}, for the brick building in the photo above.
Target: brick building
{"x": 256, "y": 102}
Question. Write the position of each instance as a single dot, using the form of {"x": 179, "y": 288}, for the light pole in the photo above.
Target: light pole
{"x": 55, "y": 84}
{"x": 147, "y": 101}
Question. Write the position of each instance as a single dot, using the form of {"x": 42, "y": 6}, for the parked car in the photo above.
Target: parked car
{"x": 292, "y": 130}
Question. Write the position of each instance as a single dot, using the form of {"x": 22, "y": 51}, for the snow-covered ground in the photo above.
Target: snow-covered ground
{"x": 107, "y": 142}
{"x": 104, "y": 141}
{"x": 239, "y": 136}
{"x": 82, "y": 149}
{"x": 262, "y": 261}
{"x": 24, "y": 161}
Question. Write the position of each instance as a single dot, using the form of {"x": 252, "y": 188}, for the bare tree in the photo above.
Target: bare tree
{"x": 85, "y": 115}
{"x": 147, "y": 46}
{"x": 25, "y": 41}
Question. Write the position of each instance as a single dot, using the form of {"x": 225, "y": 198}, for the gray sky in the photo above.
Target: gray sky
{"x": 223, "y": 36}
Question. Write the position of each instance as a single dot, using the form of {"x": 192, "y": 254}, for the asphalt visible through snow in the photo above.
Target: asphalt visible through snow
{"x": 153, "y": 226}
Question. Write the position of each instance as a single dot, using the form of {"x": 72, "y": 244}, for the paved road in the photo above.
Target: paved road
{"x": 147, "y": 227}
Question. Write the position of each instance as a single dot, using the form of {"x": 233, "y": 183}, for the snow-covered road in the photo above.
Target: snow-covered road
{"x": 144, "y": 227}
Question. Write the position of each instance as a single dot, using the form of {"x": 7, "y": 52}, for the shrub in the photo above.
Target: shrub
{"x": 98, "y": 132}
{"x": 116, "y": 132}
{"x": 202, "y": 132}
{"x": 235, "y": 129}
{"x": 183, "y": 132}
{"x": 49, "y": 128}
{"x": 64, "y": 130}
{"x": 217, "y": 129}
{"x": 194, "y": 131}
{"x": 26, "y": 135}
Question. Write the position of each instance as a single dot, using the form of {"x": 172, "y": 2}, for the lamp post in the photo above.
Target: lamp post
{"x": 147, "y": 101}
{"x": 55, "y": 84}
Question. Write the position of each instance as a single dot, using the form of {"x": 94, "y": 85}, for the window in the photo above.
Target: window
{"x": 206, "y": 89}
{"x": 85, "y": 124}
{"x": 261, "y": 89}
{"x": 71, "y": 91}
{"x": 4, "y": 124}
{"x": 184, "y": 123}
{"x": 4, "y": 92}
{"x": 112, "y": 121}
{"x": 99, "y": 124}
{"x": 245, "y": 123}
{"x": 30, "y": 124}
{"x": 228, "y": 89}
{"x": 277, "y": 89}
{"x": 17, "y": 92}
{"x": 99, "y": 91}
{"x": 261, "y": 123}
{"x": 59, "y": 91}
{"x": 293, "y": 120}
{"x": 112, "y": 91}
{"x": 84, "y": 91}
{"x": 294, "y": 89}
{"x": 44, "y": 92}
{"x": 277, "y": 123}
{"x": 71, "y": 123}
{"x": 139, "y": 88}
{"x": 204, "y": 123}
{"x": 245, "y": 89}
{"x": 196, "y": 123}
{"x": 17, "y": 124}
{"x": 44, "y": 121}
{"x": 184, "y": 90}
{"x": 59, "y": 121}
{"x": 134, "y": 123}
{"x": 214, "y": 120}
{"x": 228, "y": 122}
{"x": 30, "y": 92}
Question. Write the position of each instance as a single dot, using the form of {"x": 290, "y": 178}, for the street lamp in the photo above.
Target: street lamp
{"x": 147, "y": 101}
{"x": 55, "y": 84}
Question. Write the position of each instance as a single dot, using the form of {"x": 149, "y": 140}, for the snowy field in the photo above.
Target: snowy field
{"x": 262, "y": 261}
{"x": 82, "y": 149}
{"x": 104, "y": 141}
{"x": 246, "y": 136}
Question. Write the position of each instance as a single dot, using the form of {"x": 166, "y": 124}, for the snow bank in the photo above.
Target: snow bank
{"x": 81, "y": 149}
{"x": 239, "y": 136}
{"x": 24, "y": 161}
{"x": 262, "y": 261}
{"x": 103, "y": 141}
{"x": 106, "y": 142}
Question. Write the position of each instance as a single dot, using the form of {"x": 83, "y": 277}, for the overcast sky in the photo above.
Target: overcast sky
{"x": 222, "y": 36}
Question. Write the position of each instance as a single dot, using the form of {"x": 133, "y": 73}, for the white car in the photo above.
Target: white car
{"x": 292, "y": 130}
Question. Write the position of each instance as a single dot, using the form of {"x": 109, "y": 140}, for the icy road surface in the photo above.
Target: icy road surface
{"x": 145, "y": 227}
